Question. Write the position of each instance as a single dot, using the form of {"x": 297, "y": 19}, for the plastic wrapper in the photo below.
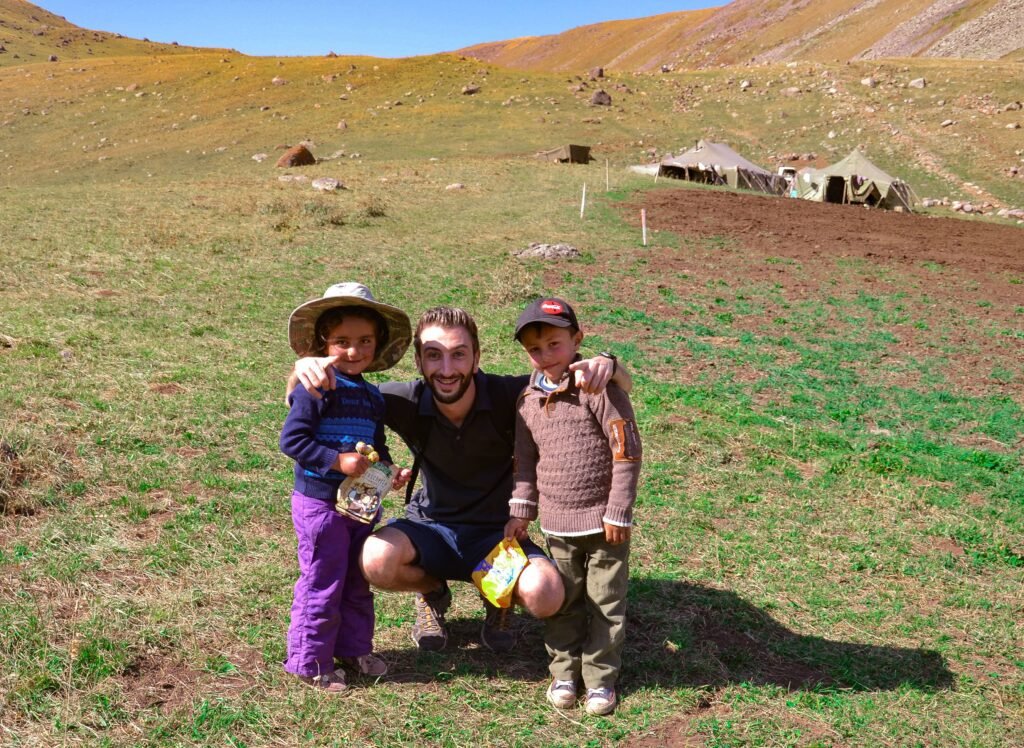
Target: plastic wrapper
{"x": 359, "y": 497}
{"x": 497, "y": 574}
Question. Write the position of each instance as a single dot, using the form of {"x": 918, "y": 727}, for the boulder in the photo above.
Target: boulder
{"x": 918, "y": 83}
{"x": 547, "y": 251}
{"x": 601, "y": 98}
{"x": 326, "y": 184}
{"x": 298, "y": 155}
{"x": 470, "y": 90}
{"x": 869, "y": 82}
{"x": 596, "y": 73}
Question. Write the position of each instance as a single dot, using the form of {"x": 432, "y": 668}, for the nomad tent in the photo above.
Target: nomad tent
{"x": 717, "y": 163}
{"x": 855, "y": 180}
{"x": 571, "y": 154}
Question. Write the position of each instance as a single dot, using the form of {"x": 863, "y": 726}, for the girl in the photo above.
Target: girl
{"x": 332, "y": 612}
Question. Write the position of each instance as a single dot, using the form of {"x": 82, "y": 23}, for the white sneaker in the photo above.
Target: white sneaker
{"x": 562, "y": 693}
{"x": 601, "y": 701}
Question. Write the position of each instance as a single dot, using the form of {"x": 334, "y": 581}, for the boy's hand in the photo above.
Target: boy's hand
{"x": 402, "y": 476}
{"x": 316, "y": 373}
{"x": 616, "y": 535}
{"x": 593, "y": 374}
{"x": 516, "y": 529}
{"x": 351, "y": 463}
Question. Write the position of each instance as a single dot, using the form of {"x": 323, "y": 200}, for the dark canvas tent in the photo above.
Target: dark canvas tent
{"x": 855, "y": 180}
{"x": 717, "y": 163}
{"x": 567, "y": 154}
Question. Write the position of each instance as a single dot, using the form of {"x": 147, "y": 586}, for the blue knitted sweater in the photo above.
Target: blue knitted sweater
{"x": 316, "y": 431}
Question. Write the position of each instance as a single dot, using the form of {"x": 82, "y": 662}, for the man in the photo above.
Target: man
{"x": 459, "y": 424}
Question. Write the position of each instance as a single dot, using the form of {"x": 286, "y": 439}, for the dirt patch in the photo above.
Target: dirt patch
{"x": 808, "y": 233}
{"x": 159, "y": 680}
{"x": 947, "y": 292}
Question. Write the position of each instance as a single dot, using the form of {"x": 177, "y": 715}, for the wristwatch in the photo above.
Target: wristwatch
{"x": 614, "y": 358}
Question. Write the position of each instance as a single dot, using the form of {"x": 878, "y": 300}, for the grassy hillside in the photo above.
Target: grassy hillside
{"x": 745, "y": 31}
{"x": 830, "y": 527}
{"x": 28, "y": 34}
{"x": 173, "y": 116}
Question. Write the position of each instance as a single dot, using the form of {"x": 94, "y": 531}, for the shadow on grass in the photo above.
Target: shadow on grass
{"x": 683, "y": 635}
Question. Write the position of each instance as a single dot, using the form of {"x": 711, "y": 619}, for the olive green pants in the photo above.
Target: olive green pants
{"x": 585, "y": 637}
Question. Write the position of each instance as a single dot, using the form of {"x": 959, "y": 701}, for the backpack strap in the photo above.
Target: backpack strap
{"x": 418, "y": 444}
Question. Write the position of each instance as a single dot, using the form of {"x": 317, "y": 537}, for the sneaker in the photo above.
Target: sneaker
{"x": 367, "y": 664}
{"x": 562, "y": 693}
{"x": 600, "y": 701}
{"x": 428, "y": 631}
{"x": 495, "y": 633}
{"x": 332, "y": 682}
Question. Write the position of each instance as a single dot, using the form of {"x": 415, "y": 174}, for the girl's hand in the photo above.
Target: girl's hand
{"x": 316, "y": 373}
{"x": 402, "y": 476}
{"x": 516, "y": 529}
{"x": 351, "y": 463}
{"x": 616, "y": 535}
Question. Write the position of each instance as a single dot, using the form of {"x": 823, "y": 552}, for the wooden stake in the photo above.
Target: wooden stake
{"x": 643, "y": 223}
{"x": 583, "y": 202}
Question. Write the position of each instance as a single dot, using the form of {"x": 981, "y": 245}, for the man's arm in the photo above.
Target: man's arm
{"x": 313, "y": 373}
{"x": 593, "y": 374}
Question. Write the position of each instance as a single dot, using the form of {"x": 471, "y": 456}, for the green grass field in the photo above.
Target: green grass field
{"x": 829, "y": 547}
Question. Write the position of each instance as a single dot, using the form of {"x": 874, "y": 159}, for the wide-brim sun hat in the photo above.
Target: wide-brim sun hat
{"x": 302, "y": 323}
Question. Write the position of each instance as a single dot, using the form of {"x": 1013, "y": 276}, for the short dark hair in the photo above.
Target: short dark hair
{"x": 448, "y": 317}
{"x": 332, "y": 317}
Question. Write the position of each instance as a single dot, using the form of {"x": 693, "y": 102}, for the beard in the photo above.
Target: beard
{"x": 454, "y": 397}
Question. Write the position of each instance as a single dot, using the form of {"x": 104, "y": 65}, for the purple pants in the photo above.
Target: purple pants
{"x": 332, "y": 613}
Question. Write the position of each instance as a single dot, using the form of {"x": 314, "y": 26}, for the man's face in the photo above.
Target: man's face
{"x": 447, "y": 362}
{"x": 551, "y": 349}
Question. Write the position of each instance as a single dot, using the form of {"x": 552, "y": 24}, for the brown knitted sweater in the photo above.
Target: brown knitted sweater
{"x": 577, "y": 458}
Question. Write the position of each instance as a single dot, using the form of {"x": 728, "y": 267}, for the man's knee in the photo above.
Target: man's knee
{"x": 540, "y": 589}
{"x": 383, "y": 554}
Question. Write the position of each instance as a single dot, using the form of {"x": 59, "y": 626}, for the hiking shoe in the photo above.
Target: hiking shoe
{"x": 428, "y": 631}
{"x": 495, "y": 633}
{"x": 562, "y": 693}
{"x": 367, "y": 664}
{"x": 600, "y": 701}
{"x": 332, "y": 682}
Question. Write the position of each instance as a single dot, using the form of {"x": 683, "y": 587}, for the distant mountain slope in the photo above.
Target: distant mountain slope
{"x": 777, "y": 30}
{"x": 30, "y": 34}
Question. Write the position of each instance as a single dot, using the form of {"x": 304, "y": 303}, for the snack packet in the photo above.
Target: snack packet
{"x": 359, "y": 497}
{"x": 497, "y": 574}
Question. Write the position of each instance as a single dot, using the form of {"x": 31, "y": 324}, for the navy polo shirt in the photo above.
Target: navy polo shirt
{"x": 465, "y": 471}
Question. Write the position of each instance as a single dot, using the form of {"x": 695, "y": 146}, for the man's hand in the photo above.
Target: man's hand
{"x": 616, "y": 535}
{"x": 402, "y": 476}
{"x": 516, "y": 529}
{"x": 316, "y": 373}
{"x": 593, "y": 374}
{"x": 351, "y": 463}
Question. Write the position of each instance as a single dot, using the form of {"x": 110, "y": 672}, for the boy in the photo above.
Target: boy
{"x": 577, "y": 463}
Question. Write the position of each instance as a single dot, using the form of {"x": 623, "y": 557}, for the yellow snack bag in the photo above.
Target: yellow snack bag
{"x": 497, "y": 574}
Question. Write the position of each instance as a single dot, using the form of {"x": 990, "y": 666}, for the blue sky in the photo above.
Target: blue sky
{"x": 400, "y": 28}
